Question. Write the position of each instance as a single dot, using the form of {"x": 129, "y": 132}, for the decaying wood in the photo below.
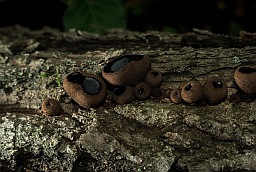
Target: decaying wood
{"x": 152, "y": 135}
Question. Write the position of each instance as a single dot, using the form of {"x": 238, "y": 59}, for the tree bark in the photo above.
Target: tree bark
{"x": 151, "y": 135}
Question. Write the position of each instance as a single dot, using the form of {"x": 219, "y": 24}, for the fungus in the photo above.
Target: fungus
{"x": 51, "y": 107}
{"x": 142, "y": 91}
{"x": 127, "y": 70}
{"x": 192, "y": 91}
{"x": 154, "y": 78}
{"x": 176, "y": 96}
{"x": 235, "y": 98}
{"x": 245, "y": 78}
{"x": 86, "y": 89}
{"x": 215, "y": 90}
{"x": 75, "y": 77}
{"x": 123, "y": 94}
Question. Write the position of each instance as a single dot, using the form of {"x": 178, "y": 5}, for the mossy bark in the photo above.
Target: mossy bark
{"x": 151, "y": 135}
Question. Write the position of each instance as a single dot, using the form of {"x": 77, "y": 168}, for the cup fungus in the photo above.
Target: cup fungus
{"x": 123, "y": 94}
{"x": 215, "y": 90}
{"x": 192, "y": 91}
{"x": 235, "y": 98}
{"x": 176, "y": 96}
{"x": 86, "y": 89}
{"x": 154, "y": 78}
{"x": 127, "y": 69}
{"x": 245, "y": 78}
{"x": 51, "y": 107}
{"x": 142, "y": 90}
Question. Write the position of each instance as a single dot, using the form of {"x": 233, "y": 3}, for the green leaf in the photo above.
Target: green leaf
{"x": 94, "y": 15}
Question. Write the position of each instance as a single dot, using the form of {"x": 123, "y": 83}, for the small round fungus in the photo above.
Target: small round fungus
{"x": 123, "y": 94}
{"x": 154, "y": 78}
{"x": 215, "y": 89}
{"x": 142, "y": 91}
{"x": 51, "y": 107}
{"x": 235, "y": 98}
{"x": 176, "y": 96}
{"x": 245, "y": 78}
{"x": 192, "y": 91}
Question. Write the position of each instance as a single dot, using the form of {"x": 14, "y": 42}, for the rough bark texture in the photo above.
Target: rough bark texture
{"x": 152, "y": 135}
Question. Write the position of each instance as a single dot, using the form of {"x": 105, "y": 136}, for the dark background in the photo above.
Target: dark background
{"x": 179, "y": 16}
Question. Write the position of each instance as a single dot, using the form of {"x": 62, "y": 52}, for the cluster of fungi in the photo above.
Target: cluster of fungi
{"x": 130, "y": 77}
{"x": 127, "y": 77}
{"x": 215, "y": 89}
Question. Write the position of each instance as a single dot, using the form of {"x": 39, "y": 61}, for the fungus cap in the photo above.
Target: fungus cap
{"x": 142, "y": 91}
{"x": 127, "y": 69}
{"x": 176, "y": 96}
{"x": 123, "y": 94}
{"x": 88, "y": 90}
{"x": 51, "y": 107}
{"x": 192, "y": 91}
{"x": 154, "y": 78}
{"x": 245, "y": 78}
{"x": 215, "y": 89}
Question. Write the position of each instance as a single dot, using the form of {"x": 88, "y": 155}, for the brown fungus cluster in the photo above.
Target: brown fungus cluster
{"x": 214, "y": 90}
{"x": 128, "y": 77}
{"x": 131, "y": 77}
